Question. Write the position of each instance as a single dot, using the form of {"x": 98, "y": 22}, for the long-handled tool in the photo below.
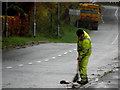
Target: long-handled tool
{"x": 76, "y": 77}
{"x": 72, "y": 84}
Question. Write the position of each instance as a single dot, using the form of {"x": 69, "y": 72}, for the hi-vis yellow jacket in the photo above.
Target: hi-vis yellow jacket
{"x": 84, "y": 45}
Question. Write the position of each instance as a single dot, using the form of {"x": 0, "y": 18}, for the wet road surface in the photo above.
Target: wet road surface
{"x": 44, "y": 65}
{"x": 108, "y": 81}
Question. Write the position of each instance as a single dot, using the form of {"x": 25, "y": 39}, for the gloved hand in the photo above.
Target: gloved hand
{"x": 79, "y": 58}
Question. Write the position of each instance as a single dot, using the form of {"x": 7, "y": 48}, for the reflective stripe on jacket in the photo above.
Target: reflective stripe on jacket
{"x": 84, "y": 45}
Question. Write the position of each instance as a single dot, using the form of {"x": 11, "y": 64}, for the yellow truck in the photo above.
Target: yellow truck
{"x": 90, "y": 16}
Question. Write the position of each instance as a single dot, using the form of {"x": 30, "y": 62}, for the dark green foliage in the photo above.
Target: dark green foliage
{"x": 46, "y": 16}
{"x": 13, "y": 10}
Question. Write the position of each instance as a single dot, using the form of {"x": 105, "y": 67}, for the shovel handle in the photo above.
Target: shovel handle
{"x": 78, "y": 63}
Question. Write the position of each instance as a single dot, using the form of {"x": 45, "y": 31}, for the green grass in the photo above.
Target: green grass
{"x": 22, "y": 40}
{"x": 69, "y": 36}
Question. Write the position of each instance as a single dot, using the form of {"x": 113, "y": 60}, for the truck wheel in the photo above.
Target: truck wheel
{"x": 96, "y": 28}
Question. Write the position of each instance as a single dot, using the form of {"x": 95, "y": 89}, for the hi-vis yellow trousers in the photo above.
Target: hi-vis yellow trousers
{"x": 83, "y": 66}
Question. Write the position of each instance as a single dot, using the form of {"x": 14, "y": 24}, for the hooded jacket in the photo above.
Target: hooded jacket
{"x": 84, "y": 45}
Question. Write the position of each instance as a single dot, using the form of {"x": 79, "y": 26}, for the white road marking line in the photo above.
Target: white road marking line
{"x": 59, "y": 55}
{"x": 116, "y": 69}
{"x": 75, "y": 49}
{"x": 116, "y": 13}
{"x": 70, "y": 50}
{"x": 20, "y": 65}
{"x": 115, "y": 39}
{"x": 9, "y": 67}
{"x": 94, "y": 31}
{"x": 30, "y": 63}
{"x": 53, "y": 57}
{"x": 65, "y": 52}
{"x": 46, "y": 60}
{"x": 102, "y": 19}
{"x": 38, "y": 61}
{"x": 96, "y": 79}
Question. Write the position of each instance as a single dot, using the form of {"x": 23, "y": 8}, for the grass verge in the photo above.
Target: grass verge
{"x": 68, "y": 36}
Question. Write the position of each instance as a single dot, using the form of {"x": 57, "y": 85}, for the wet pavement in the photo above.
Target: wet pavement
{"x": 32, "y": 67}
{"x": 110, "y": 80}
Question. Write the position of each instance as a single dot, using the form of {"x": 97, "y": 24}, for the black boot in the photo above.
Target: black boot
{"x": 84, "y": 79}
{"x": 82, "y": 82}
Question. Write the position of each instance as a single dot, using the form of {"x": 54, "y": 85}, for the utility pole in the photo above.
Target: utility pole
{"x": 58, "y": 25}
{"x": 0, "y": 22}
{"x": 34, "y": 32}
{"x": 6, "y": 20}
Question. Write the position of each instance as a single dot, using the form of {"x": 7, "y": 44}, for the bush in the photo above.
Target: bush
{"x": 13, "y": 11}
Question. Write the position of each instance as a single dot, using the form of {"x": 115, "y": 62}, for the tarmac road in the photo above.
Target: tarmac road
{"x": 110, "y": 79}
{"x": 44, "y": 65}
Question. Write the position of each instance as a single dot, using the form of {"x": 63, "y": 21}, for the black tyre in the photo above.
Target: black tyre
{"x": 95, "y": 26}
